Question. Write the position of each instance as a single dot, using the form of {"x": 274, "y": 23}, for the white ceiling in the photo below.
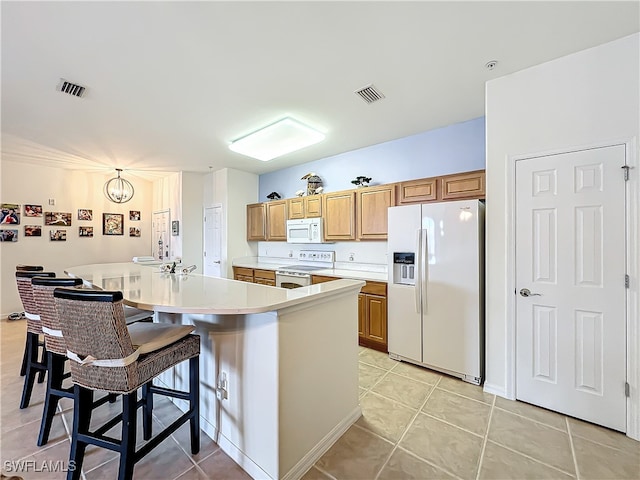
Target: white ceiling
{"x": 171, "y": 84}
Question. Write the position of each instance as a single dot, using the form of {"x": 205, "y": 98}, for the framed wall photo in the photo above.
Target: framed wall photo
{"x": 58, "y": 235}
{"x": 85, "y": 214}
{"x": 134, "y": 232}
{"x": 32, "y": 231}
{"x": 8, "y": 235}
{"x": 112, "y": 224}
{"x": 33, "y": 210}
{"x": 57, "y": 218}
{"x": 134, "y": 215}
{"x": 9, "y": 214}
{"x": 85, "y": 231}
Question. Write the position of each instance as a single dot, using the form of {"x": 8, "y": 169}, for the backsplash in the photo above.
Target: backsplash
{"x": 370, "y": 256}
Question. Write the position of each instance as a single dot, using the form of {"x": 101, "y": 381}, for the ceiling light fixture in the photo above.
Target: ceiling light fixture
{"x": 118, "y": 190}
{"x": 279, "y": 138}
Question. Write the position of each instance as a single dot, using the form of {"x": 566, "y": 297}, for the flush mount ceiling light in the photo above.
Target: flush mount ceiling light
{"x": 284, "y": 136}
{"x": 118, "y": 190}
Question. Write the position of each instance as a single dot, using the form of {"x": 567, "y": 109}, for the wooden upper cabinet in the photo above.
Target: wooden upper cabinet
{"x": 305, "y": 207}
{"x": 277, "y": 220}
{"x": 256, "y": 222}
{"x": 313, "y": 206}
{"x": 464, "y": 185}
{"x": 372, "y": 204}
{"x": 418, "y": 191}
{"x": 296, "y": 208}
{"x": 339, "y": 215}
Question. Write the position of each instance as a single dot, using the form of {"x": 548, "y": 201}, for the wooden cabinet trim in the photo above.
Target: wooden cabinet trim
{"x": 375, "y": 288}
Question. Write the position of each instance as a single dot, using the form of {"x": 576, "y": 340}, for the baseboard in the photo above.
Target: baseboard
{"x": 310, "y": 459}
{"x": 496, "y": 390}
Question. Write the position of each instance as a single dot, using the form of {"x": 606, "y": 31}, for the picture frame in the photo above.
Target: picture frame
{"x": 134, "y": 215}
{"x": 58, "y": 235}
{"x": 32, "y": 230}
{"x": 85, "y": 231}
{"x": 32, "y": 210}
{"x": 134, "y": 232}
{"x": 112, "y": 224}
{"x": 9, "y": 214}
{"x": 57, "y": 218}
{"x": 9, "y": 235}
{"x": 85, "y": 214}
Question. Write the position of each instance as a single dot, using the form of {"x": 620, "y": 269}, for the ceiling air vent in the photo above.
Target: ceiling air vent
{"x": 370, "y": 94}
{"x": 71, "y": 88}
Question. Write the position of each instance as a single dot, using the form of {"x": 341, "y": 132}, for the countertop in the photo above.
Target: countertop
{"x": 146, "y": 287}
{"x": 329, "y": 272}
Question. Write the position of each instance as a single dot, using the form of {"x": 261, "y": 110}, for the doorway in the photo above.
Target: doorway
{"x": 161, "y": 238}
{"x": 570, "y": 291}
{"x": 213, "y": 241}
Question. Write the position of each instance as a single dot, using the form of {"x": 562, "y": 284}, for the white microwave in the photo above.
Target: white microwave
{"x": 305, "y": 230}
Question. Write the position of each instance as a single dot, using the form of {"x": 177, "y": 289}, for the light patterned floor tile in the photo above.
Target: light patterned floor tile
{"x": 416, "y": 373}
{"x": 387, "y": 418}
{"x": 460, "y": 411}
{"x": 501, "y": 463}
{"x": 377, "y": 359}
{"x": 597, "y": 462}
{"x": 443, "y": 445}
{"x": 542, "y": 415}
{"x": 535, "y": 440}
{"x": 604, "y": 436}
{"x": 403, "y": 389}
{"x": 460, "y": 387}
{"x": 369, "y": 375}
{"x": 403, "y": 465}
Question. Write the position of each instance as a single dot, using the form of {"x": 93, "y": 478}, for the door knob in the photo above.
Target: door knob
{"x": 217, "y": 261}
{"x": 525, "y": 292}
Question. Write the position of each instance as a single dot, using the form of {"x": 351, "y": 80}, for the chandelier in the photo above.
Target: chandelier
{"x": 118, "y": 190}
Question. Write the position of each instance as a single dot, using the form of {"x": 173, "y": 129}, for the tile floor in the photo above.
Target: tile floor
{"x": 416, "y": 424}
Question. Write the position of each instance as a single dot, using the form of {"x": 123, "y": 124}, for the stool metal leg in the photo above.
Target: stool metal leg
{"x": 34, "y": 367}
{"x": 147, "y": 410}
{"x": 194, "y": 403}
{"x": 82, "y": 407}
{"x": 25, "y": 358}
{"x": 55, "y": 376}
{"x": 128, "y": 445}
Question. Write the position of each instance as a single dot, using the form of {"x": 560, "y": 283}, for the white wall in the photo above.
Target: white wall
{"x": 23, "y": 183}
{"x": 233, "y": 189}
{"x": 579, "y": 100}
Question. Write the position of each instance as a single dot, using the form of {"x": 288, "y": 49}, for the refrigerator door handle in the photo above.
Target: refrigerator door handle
{"x": 417, "y": 286}
{"x": 424, "y": 265}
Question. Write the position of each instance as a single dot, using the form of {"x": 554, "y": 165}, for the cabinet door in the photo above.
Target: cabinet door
{"x": 313, "y": 206}
{"x": 377, "y": 318}
{"x": 417, "y": 191}
{"x": 264, "y": 277}
{"x": 256, "y": 224}
{"x": 277, "y": 220}
{"x": 464, "y": 186}
{"x": 362, "y": 315}
{"x": 321, "y": 279}
{"x": 339, "y": 215}
{"x": 372, "y": 204}
{"x": 296, "y": 208}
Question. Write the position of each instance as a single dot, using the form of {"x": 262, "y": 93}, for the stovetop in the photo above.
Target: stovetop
{"x": 300, "y": 268}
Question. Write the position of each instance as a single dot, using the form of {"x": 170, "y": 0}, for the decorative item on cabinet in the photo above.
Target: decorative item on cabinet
{"x": 299, "y": 193}
{"x": 313, "y": 183}
{"x": 274, "y": 196}
{"x": 361, "y": 181}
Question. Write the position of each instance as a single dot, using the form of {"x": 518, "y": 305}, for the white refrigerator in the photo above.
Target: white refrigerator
{"x": 436, "y": 287}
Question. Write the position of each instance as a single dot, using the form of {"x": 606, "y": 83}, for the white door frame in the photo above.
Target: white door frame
{"x": 633, "y": 270}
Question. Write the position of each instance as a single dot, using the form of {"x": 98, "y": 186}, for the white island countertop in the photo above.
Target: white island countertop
{"x": 146, "y": 287}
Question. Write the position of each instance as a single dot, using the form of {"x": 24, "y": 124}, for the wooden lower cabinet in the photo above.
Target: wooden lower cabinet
{"x": 372, "y": 316}
{"x": 251, "y": 275}
{"x": 264, "y": 277}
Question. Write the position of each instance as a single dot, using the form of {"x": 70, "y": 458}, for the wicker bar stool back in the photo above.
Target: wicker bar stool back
{"x": 43, "y": 288}
{"x": 20, "y": 316}
{"x": 34, "y": 364}
{"x": 104, "y": 357}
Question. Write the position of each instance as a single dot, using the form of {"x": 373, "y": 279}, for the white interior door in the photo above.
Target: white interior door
{"x": 570, "y": 254}
{"x": 161, "y": 238}
{"x": 213, "y": 241}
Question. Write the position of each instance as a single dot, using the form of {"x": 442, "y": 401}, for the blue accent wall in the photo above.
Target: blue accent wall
{"x": 452, "y": 149}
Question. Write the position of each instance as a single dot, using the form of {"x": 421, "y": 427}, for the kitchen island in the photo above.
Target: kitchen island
{"x": 278, "y": 367}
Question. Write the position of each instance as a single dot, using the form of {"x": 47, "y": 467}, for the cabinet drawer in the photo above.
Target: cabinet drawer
{"x": 264, "y": 274}
{"x": 375, "y": 288}
{"x": 321, "y": 279}
{"x": 245, "y": 272}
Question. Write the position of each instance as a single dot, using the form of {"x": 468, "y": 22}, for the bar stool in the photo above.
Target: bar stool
{"x": 19, "y": 316}
{"x": 106, "y": 355}
{"x": 33, "y": 365}
{"x": 56, "y": 350}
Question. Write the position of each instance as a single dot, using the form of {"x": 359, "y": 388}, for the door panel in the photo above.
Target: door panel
{"x": 213, "y": 241}
{"x": 570, "y": 254}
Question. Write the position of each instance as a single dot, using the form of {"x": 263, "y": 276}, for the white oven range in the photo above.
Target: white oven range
{"x": 299, "y": 275}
